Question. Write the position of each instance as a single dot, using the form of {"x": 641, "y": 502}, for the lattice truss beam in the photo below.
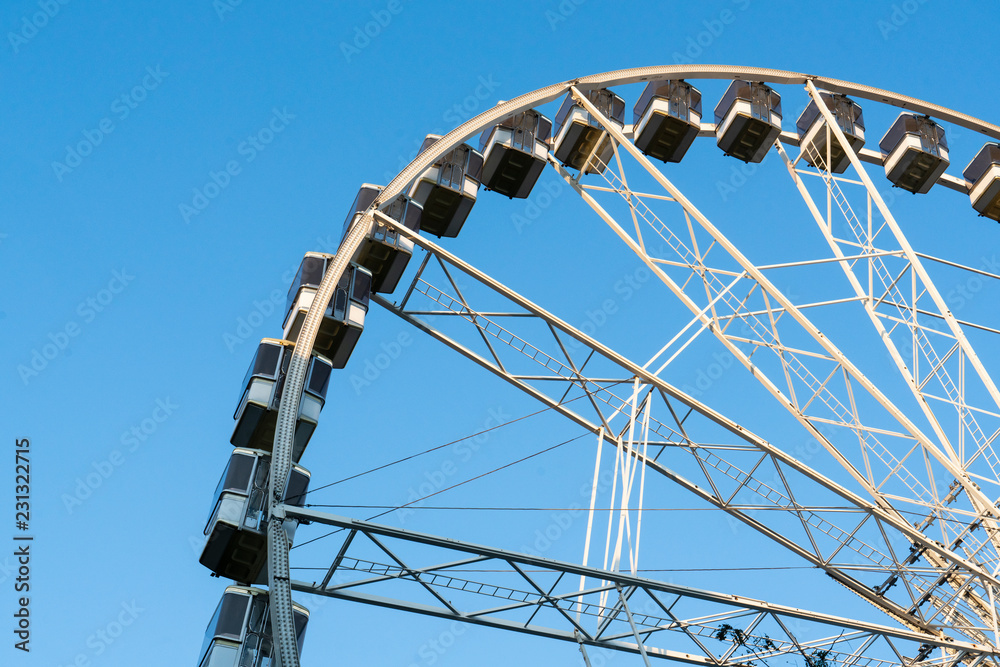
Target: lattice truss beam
{"x": 864, "y": 545}
{"x": 929, "y": 346}
{"x": 895, "y": 459}
{"x": 399, "y": 569}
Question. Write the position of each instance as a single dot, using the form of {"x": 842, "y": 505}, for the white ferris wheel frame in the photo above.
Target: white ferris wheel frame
{"x": 963, "y": 571}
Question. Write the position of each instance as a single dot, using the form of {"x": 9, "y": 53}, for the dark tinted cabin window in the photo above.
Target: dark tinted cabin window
{"x": 736, "y": 89}
{"x": 237, "y": 477}
{"x": 544, "y": 128}
{"x": 806, "y": 119}
{"x": 210, "y": 630}
{"x": 319, "y": 378}
{"x": 297, "y": 485}
{"x": 366, "y": 195}
{"x": 484, "y": 138}
{"x": 264, "y": 364}
{"x": 300, "y": 628}
{"x": 340, "y": 302}
{"x": 411, "y": 220}
{"x": 310, "y": 274}
{"x": 362, "y": 287}
{"x": 988, "y": 156}
{"x": 614, "y": 107}
{"x": 282, "y": 374}
{"x": 564, "y": 109}
{"x": 263, "y": 470}
{"x": 231, "y": 614}
{"x": 475, "y": 169}
{"x": 942, "y": 140}
{"x": 312, "y": 271}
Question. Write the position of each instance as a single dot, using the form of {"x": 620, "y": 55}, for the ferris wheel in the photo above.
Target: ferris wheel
{"x": 868, "y": 354}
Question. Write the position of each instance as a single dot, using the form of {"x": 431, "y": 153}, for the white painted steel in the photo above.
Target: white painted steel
{"x": 286, "y": 652}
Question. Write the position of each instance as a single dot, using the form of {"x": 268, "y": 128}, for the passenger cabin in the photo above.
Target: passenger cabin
{"x": 384, "y": 251}
{"x": 748, "y": 120}
{"x": 914, "y": 152}
{"x": 447, "y": 190}
{"x": 982, "y": 177}
{"x": 514, "y": 153}
{"x": 236, "y": 532}
{"x": 579, "y": 135}
{"x": 667, "y": 119}
{"x": 813, "y": 132}
{"x": 257, "y": 412}
{"x": 344, "y": 319}
{"x": 239, "y": 634}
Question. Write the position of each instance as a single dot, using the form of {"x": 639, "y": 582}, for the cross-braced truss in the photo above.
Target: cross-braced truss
{"x": 400, "y": 569}
{"x": 906, "y": 524}
{"x": 928, "y": 344}
{"x": 867, "y": 546}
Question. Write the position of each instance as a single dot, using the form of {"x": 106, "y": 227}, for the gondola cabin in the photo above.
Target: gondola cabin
{"x": 384, "y": 251}
{"x": 239, "y": 634}
{"x": 667, "y": 119}
{"x": 344, "y": 319}
{"x": 514, "y": 153}
{"x": 257, "y": 412}
{"x": 748, "y": 120}
{"x": 982, "y": 177}
{"x": 914, "y": 152}
{"x": 236, "y": 532}
{"x": 447, "y": 189}
{"x": 579, "y": 135}
{"x": 813, "y": 133}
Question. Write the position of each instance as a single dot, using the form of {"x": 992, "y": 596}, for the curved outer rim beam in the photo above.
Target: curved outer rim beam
{"x": 640, "y": 74}
{"x": 286, "y": 653}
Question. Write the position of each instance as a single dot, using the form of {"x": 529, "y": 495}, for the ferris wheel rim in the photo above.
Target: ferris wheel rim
{"x": 627, "y": 76}
{"x": 400, "y": 183}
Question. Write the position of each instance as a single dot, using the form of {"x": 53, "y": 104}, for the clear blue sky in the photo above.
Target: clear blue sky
{"x": 102, "y": 256}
